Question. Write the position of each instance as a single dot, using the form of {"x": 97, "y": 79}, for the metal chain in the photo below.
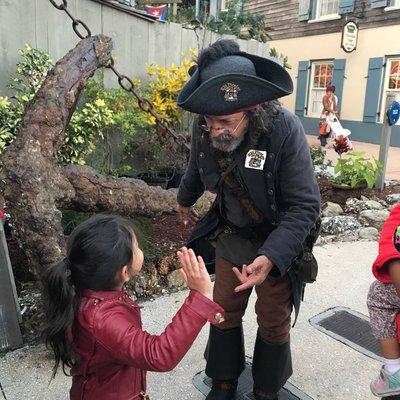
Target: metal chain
{"x": 124, "y": 81}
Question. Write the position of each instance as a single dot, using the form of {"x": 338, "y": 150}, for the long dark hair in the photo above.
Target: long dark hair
{"x": 96, "y": 250}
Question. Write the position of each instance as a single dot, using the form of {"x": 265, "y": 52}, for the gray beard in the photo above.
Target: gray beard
{"x": 226, "y": 142}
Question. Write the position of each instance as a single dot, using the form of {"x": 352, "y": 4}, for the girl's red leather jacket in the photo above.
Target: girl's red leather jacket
{"x": 114, "y": 353}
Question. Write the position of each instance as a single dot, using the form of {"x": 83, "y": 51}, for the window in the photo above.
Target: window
{"x": 224, "y": 5}
{"x": 326, "y": 8}
{"x": 321, "y": 77}
{"x": 391, "y": 84}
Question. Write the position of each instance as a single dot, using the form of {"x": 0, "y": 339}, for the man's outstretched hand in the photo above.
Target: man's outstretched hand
{"x": 253, "y": 274}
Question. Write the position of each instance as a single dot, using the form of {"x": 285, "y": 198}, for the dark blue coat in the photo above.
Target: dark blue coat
{"x": 285, "y": 191}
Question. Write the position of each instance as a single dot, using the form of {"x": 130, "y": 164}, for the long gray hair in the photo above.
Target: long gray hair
{"x": 261, "y": 121}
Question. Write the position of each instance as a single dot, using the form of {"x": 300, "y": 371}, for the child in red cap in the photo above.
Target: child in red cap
{"x": 384, "y": 306}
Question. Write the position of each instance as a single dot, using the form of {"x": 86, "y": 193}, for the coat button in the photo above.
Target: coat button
{"x": 201, "y": 170}
{"x": 218, "y": 317}
{"x": 273, "y": 207}
{"x": 269, "y": 174}
{"x": 271, "y": 156}
{"x": 201, "y": 155}
{"x": 96, "y": 302}
{"x": 270, "y": 192}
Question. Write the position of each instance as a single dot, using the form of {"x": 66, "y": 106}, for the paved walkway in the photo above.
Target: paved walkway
{"x": 323, "y": 367}
{"x": 393, "y": 166}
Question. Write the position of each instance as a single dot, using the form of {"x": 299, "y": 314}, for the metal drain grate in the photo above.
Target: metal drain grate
{"x": 349, "y": 327}
{"x": 245, "y": 388}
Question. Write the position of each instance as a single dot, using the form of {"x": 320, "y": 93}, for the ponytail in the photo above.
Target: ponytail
{"x": 60, "y": 308}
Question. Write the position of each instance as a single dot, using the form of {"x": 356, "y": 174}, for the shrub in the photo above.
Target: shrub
{"x": 86, "y": 126}
{"x": 163, "y": 90}
{"x": 24, "y": 83}
{"x": 317, "y": 155}
{"x": 84, "y": 129}
{"x": 356, "y": 169}
{"x": 129, "y": 132}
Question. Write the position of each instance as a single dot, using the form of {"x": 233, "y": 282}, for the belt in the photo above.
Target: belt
{"x": 260, "y": 231}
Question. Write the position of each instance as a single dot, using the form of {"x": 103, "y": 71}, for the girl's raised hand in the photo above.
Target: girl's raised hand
{"x": 194, "y": 272}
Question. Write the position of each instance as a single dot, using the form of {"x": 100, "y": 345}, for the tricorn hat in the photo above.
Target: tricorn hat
{"x": 227, "y": 79}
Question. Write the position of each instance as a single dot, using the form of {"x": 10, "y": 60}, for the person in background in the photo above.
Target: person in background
{"x": 329, "y": 109}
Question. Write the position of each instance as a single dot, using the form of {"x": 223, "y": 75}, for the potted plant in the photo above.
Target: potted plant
{"x": 356, "y": 171}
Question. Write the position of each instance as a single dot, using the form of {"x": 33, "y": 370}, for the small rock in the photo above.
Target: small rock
{"x": 369, "y": 233}
{"x": 133, "y": 297}
{"x": 327, "y": 239}
{"x": 330, "y": 209}
{"x": 203, "y": 204}
{"x": 138, "y": 285}
{"x": 167, "y": 263}
{"x": 374, "y": 218}
{"x": 152, "y": 277}
{"x": 339, "y": 224}
{"x": 356, "y": 206}
{"x": 393, "y": 198}
{"x": 319, "y": 241}
{"x": 174, "y": 280}
{"x": 373, "y": 205}
{"x": 347, "y": 237}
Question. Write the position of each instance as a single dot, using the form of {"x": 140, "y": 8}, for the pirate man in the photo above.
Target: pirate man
{"x": 253, "y": 154}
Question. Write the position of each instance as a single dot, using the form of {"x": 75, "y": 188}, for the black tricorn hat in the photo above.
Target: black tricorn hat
{"x": 235, "y": 81}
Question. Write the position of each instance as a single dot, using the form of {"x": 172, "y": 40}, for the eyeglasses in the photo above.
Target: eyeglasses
{"x": 208, "y": 129}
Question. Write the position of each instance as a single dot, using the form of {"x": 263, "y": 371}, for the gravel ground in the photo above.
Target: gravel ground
{"x": 323, "y": 367}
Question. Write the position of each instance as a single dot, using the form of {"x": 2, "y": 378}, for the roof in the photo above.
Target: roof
{"x": 127, "y": 9}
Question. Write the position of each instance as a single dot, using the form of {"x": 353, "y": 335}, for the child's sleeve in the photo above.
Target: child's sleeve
{"x": 389, "y": 245}
{"x": 135, "y": 347}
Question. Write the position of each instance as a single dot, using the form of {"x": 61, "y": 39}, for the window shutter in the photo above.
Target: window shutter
{"x": 314, "y": 9}
{"x": 301, "y": 91}
{"x": 379, "y": 3}
{"x": 346, "y": 6}
{"x": 304, "y": 10}
{"x": 373, "y": 91}
{"x": 339, "y": 67}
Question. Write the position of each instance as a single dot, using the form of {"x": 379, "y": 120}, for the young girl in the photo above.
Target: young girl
{"x": 384, "y": 306}
{"x": 94, "y": 326}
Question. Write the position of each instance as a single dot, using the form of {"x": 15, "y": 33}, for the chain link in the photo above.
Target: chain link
{"x": 125, "y": 82}
{"x": 62, "y": 6}
{"x": 75, "y": 25}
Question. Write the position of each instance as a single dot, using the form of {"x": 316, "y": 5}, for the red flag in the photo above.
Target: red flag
{"x": 158, "y": 11}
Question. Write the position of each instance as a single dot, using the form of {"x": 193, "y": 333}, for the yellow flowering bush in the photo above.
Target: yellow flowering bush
{"x": 163, "y": 89}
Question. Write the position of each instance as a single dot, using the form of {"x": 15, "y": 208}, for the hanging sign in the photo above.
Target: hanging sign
{"x": 349, "y": 37}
